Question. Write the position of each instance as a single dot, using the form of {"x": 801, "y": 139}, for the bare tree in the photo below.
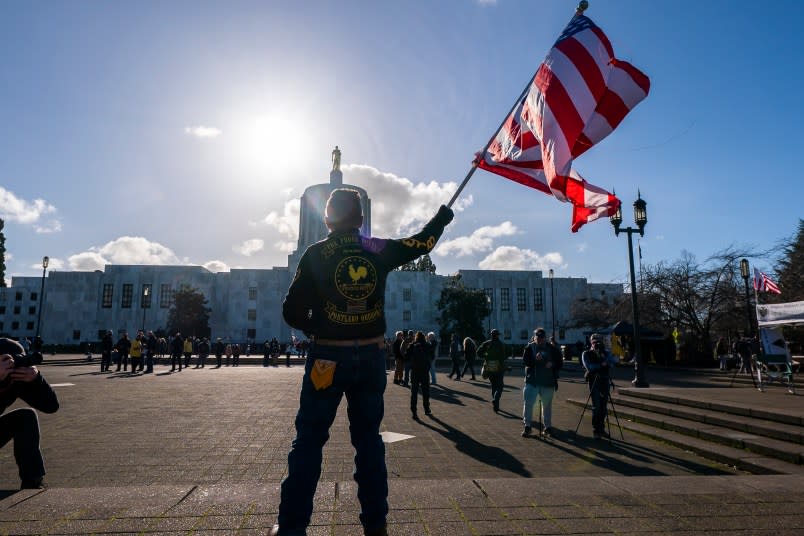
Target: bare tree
{"x": 700, "y": 298}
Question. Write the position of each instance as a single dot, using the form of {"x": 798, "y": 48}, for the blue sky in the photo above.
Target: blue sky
{"x": 184, "y": 132}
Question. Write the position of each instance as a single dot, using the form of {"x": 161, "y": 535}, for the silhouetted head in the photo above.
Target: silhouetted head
{"x": 343, "y": 210}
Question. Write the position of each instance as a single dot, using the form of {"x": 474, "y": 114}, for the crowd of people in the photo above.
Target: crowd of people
{"x": 147, "y": 349}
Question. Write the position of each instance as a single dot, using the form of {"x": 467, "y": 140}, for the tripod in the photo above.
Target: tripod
{"x": 751, "y": 368}
{"x": 610, "y": 402}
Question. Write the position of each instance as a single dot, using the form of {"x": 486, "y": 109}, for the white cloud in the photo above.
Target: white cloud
{"x": 514, "y": 258}
{"x": 125, "y": 250}
{"x": 201, "y": 131}
{"x": 480, "y": 240}
{"x": 285, "y": 247}
{"x": 286, "y": 223}
{"x": 14, "y": 209}
{"x": 249, "y": 247}
{"x": 216, "y": 266}
{"x": 87, "y": 261}
{"x": 398, "y": 205}
{"x": 52, "y": 226}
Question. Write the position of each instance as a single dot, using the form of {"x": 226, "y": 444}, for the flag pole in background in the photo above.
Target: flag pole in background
{"x": 582, "y": 6}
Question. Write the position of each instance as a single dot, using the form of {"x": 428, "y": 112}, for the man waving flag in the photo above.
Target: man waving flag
{"x": 578, "y": 96}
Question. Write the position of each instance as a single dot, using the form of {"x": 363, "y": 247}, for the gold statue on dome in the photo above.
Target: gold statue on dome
{"x": 336, "y": 159}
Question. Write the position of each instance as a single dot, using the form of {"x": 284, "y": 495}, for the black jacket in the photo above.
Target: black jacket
{"x": 38, "y": 394}
{"x": 419, "y": 359}
{"x": 338, "y": 291}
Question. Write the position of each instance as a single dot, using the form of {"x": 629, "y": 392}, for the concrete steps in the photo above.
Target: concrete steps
{"x": 753, "y": 439}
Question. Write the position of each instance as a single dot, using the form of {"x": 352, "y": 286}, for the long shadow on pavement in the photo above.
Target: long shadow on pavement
{"x": 494, "y": 456}
{"x": 613, "y": 455}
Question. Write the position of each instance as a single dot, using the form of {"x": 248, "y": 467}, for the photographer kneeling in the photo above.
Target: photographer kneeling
{"x": 19, "y": 378}
{"x": 598, "y": 363}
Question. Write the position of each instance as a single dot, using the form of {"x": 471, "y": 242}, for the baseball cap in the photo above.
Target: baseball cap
{"x": 11, "y": 347}
{"x": 539, "y": 332}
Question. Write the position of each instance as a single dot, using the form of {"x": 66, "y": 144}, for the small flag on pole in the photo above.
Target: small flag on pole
{"x": 763, "y": 283}
{"x": 578, "y": 96}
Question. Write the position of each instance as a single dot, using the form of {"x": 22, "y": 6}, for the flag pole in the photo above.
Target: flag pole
{"x": 582, "y": 6}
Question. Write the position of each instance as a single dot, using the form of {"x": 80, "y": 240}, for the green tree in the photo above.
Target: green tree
{"x": 422, "y": 264}
{"x": 2, "y": 255}
{"x": 462, "y": 311}
{"x": 189, "y": 313}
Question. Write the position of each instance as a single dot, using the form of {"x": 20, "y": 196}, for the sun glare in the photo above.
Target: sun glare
{"x": 271, "y": 144}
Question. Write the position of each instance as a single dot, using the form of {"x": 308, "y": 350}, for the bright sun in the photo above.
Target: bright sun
{"x": 271, "y": 144}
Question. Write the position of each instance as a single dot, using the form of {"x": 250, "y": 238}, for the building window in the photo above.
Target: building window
{"x": 521, "y": 299}
{"x": 406, "y": 292}
{"x": 15, "y": 326}
{"x": 16, "y": 309}
{"x": 538, "y": 299}
{"x": 406, "y": 316}
{"x": 145, "y": 300}
{"x": 2, "y": 325}
{"x": 108, "y": 293}
{"x": 29, "y": 326}
{"x": 128, "y": 293}
{"x": 32, "y": 310}
{"x": 252, "y": 293}
{"x": 76, "y": 334}
{"x": 251, "y": 333}
{"x": 523, "y": 334}
{"x": 561, "y": 333}
{"x": 165, "y": 296}
{"x": 18, "y": 296}
{"x": 101, "y": 334}
{"x": 489, "y": 292}
{"x": 34, "y": 295}
{"x": 2, "y": 309}
{"x": 505, "y": 300}
{"x": 252, "y": 314}
{"x": 507, "y": 333}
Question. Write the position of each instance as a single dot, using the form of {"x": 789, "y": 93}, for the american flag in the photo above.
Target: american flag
{"x": 763, "y": 283}
{"x": 579, "y": 95}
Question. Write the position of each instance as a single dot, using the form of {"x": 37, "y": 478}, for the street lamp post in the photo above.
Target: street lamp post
{"x": 641, "y": 218}
{"x": 146, "y": 290}
{"x": 45, "y": 262}
{"x": 552, "y": 305}
{"x": 488, "y": 318}
{"x": 744, "y": 272}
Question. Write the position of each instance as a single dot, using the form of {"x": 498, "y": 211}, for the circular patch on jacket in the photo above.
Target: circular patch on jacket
{"x": 355, "y": 278}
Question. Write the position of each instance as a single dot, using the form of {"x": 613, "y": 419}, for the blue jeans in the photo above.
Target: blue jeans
{"x": 532, "y": 392}
{"x": 360, "y": 375}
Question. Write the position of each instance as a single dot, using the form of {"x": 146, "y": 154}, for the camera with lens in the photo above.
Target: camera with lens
{"x": 34, "y": 358}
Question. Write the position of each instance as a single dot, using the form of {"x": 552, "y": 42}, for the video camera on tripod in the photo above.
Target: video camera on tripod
{"x": 596, "y": 356}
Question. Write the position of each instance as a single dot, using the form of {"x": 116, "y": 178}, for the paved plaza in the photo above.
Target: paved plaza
{"x": 204, "y": 450}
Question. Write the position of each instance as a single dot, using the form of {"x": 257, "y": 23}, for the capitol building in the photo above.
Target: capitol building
{"x": 246, "y": 304}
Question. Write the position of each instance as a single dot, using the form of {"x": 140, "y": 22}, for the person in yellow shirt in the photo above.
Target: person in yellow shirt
{"x": 188, "y": 351}
{"x": 135, "y": 354}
